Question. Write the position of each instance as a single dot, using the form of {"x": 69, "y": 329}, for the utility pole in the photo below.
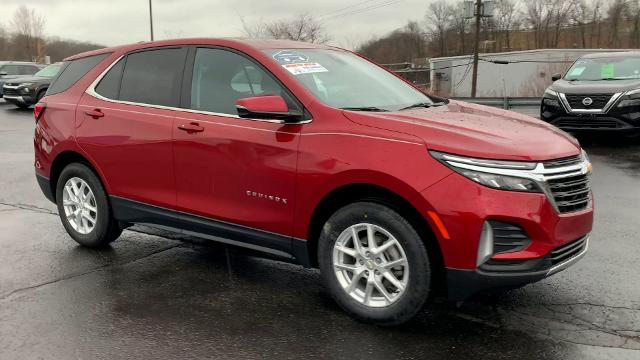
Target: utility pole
{"x": 151, "y": 18}
{"x": 477, "y": 9}
{"x": 476, "y": 48}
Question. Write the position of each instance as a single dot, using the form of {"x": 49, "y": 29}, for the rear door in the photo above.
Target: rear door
{"x": 125, "y": 124}
{"x": 230, "y": 169}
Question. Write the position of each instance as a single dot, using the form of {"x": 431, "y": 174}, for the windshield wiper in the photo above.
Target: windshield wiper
{"x": 364, "y": 108}
{"x": 422, "y": 105}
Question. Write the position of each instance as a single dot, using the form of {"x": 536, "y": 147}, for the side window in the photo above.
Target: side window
{"x": 11, "y": 69}
{"x": 153, "y": 77}
{"x": 109, "y": 86}
{"x": 28, "y": 70}
{"x": 221, "y": 77}
{"x": 74, "y": 71}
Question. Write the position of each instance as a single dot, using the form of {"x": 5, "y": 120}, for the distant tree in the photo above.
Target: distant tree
{"x": 617, "y": 9}
{"x": 459, "y": 25}
{"x": 438, "y": 20}
{"x": 634, "y": 18}
{"x": 303, "y": 27}
{"x": 401, "y": 45}
{"x": 59, "y": 49}
{"x": 4, "y": 43}
{"x": 28, "y": 28}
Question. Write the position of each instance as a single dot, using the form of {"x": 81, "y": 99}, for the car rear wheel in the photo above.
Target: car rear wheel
{"x": 84, "y": 208}
{"x": 374, "y": 263}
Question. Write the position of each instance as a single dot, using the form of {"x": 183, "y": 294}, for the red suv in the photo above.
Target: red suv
{"x": 313, "y": 154}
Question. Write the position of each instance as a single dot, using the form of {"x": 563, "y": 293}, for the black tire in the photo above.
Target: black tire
{"x": 106, "y": 229}
{"x": 419, "y": 282}
{"x": 23, "y": 106}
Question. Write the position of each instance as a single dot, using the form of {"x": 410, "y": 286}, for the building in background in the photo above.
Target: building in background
{"x": 514, "y": 74}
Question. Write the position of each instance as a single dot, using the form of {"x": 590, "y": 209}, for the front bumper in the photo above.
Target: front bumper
{"x": 465, "y": 214}
{"x": 615, "y": 120}
{"x": 463, "y": 283}
{"x": 19, "y": 100}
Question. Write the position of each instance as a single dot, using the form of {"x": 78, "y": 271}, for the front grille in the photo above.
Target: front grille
{"x": 567, "y": 251}
{"x": 589, "y": 123}
{"x": 571, "y": 193}
{"x": 568, "y": 161}
{"x": 599, "y": 101}
{"x": 10, "y": 92}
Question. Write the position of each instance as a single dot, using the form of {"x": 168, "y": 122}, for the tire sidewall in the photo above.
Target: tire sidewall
{"x": 418, "y": 287}
{"x": 94, "y": 238}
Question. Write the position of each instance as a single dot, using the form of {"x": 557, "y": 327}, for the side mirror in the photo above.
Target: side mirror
{"x": 556, "y": 77}
{"x": 268, "y": 107}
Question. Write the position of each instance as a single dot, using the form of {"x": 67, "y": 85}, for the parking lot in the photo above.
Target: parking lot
{"x": 153, "y": 294}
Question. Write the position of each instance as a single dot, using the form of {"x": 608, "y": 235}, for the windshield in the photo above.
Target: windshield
{"x": 50, "y": 71}
{"x": 343, "y": 80}
{"x": 611, "y": 68}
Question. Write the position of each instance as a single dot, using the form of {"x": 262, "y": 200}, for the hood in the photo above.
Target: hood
{"x": 595, "y": 87}
{"x": 31, "y": 79}
{"x": 477, "y": 131}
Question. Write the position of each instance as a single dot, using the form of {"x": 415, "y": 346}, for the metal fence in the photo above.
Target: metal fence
{"x": 503, "y": 102}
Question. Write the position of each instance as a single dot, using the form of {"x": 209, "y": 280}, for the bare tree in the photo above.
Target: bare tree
{"x": 634, "y": 18}
{"x": 616, "y": 13}
{"x": 507, "y": 20}
{"x": 28, "y": 28}
{"x": 303, "y": 27}
{"x": 459, "y": 24}
{"x": 438, "y": 19}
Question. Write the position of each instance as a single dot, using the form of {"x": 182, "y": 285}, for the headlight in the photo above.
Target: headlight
{"x": 550, "y": 98}
{"x": 485, "y": 171}
{"x": 25, "y": 84}
{"x": 630, "y": 98}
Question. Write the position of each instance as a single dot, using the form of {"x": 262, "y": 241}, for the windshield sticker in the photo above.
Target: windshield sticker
{"x": 607, "y": 71}
{"x": 577, "y": 71}
{"x": 290, "y": 57}
{"x": 304, "y": 68}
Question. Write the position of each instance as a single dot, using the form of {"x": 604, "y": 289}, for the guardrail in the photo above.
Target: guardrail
{"x": 503, "y": 102}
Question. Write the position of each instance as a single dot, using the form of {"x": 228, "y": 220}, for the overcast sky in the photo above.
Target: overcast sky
{"x": 114, "y": 22}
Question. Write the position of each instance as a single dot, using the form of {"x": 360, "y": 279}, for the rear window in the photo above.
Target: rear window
{"x": 74, "y": 71}
{"x": 109, "y": 86}
{"x": 153, "y": 77}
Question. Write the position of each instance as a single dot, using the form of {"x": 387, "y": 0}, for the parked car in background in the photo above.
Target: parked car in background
{"x": 599, "y": 92}
{"x": 313, "y": 154}
{"x": 26, "y": 91}
{"x": 15, "y": 69}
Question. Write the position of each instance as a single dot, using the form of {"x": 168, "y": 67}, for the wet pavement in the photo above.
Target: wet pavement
{"x": 155, "y": 295}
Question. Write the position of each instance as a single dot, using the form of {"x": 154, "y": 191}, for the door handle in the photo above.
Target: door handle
{"x": 191, "y": 127}
{"x": 95, "y": 113}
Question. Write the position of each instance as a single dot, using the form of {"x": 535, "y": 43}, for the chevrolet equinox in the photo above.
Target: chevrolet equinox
{"x": 315, "y": 155}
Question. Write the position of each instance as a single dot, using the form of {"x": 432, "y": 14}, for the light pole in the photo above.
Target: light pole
{"x": 151, "y": 18}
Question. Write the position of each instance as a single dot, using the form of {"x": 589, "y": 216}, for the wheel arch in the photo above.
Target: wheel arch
{"x": 65, "y": 158}
{"x": 362, "y": 191}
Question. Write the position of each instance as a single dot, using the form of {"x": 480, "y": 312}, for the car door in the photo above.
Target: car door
{"x": 229, "y": 169}
{"x": 124, "y": 122}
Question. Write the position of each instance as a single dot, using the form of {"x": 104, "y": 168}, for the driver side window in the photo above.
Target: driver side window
{"x": 220, "y": 77}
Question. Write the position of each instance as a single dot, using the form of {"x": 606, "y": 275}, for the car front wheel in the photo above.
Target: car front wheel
{"x": 374, "y": 263}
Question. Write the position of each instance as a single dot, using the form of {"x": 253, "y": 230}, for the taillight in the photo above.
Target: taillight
{"x": 38, "y": 110}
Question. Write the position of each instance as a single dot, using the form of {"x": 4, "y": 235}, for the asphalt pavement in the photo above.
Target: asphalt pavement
{"x": 156, "y": 295}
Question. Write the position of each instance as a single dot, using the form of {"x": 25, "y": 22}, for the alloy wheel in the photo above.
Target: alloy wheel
{"x": 371, "y": 265}
{"x": 80, "y": 206}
